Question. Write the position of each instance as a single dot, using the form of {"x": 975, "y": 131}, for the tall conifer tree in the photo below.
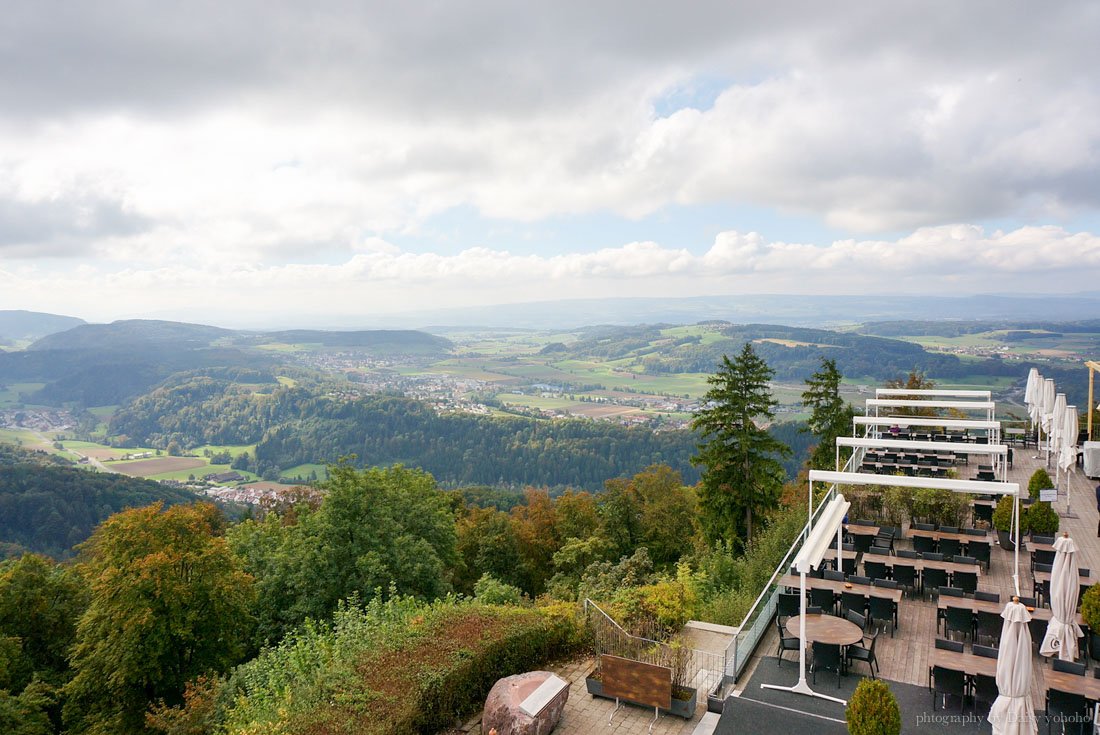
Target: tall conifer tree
{"x": 830, "y": 415}
{"x": 742, "y": 476}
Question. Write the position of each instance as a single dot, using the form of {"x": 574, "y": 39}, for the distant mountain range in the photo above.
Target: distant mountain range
{"x": 790, "y": 309}
{"x": 129, "y": 334}
{"x": 18, "y": 326}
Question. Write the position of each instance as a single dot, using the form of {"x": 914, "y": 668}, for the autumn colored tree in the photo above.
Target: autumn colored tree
{"x": 536, "y": 528}
{"x": 486, "y": 543}
{"x": 576, "y": 513}
{"x": 916, "y": 380}
{"x": 742, "y": 476}
{"x": 651, "y": 509}
{"x": 168, "y": 603}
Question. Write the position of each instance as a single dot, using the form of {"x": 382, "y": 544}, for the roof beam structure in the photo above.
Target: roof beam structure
{"x": 947, "y": 423}
{"x": 955, "y": 447}
{"x": 975, "y": 487}
{"x": 876, "y": 403}
{"x": 983, "y": 395}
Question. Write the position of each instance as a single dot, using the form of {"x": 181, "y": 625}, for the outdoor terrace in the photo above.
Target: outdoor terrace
{"x": 907, "y": 655}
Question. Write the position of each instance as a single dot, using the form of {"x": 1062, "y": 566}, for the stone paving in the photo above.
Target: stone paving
{"x": 586, "y": 714}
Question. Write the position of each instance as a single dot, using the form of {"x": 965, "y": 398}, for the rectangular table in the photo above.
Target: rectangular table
{"x": 791, "y": 580}
{"x": 1039, "y": 613}
{"x": 847, "y": 555}
{"x": 968, "y": 663}
{"x": 855, "y": 530}
{"x": 964, "y": 538}
{"x": 1087, "y": 580}
{"x": 922, "y": 564}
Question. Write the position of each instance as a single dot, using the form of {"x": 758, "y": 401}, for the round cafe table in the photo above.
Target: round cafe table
{"x": 826, "y": 629}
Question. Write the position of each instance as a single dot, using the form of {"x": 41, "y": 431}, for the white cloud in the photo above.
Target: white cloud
{"x": 385, "y": 280}
{"x": 277, "y": 145}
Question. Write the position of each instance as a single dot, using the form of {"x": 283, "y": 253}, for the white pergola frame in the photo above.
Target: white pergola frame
{"x": 809, "y": 557}
{"x": 995, "y": 451}
{"x": 983, "y": 395}
{"x": 975, "y": 487}
{"x": 993, "y": 427}
{"x": 876, "y": 403}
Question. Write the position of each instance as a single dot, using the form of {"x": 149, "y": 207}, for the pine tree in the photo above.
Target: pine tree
{"x": 830, "y": 415}
{"x": 742, "y": 476}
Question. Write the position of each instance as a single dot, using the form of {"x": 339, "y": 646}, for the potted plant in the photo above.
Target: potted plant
{"x": 1040, "y": 480}
{"x": 1090, "y": 612}
{"x": 1002, "y": 521}
{"x": 1042, "y": 520}
{"x": 594, "y": 681}
{"x": 873, "y": 710}
{"x": 678, "y": 658}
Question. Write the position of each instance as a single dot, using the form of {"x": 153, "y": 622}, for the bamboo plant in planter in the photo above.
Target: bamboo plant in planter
{"x": 1090, "y": 611}
{"x": 1002, "y": 521}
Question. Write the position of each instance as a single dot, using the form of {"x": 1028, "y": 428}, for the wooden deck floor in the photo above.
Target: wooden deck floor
{"x": 906, "y": 656}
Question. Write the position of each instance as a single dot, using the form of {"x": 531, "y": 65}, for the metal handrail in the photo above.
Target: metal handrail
{"x": 770, "y": 588}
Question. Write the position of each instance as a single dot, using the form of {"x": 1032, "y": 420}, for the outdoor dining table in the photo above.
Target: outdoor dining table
{"x": 964, "y": 538}
{"x": 1038, "y": 613}
{"x": 827, "y": 629}
{"x": 830, "y": 554}
{"x": 857, "y": 530}
{"x": 1086, "y": 686}
{"x": 867, "y": 590}
{"x": 968, "y": 663}
{"x": 1084, "y": 579}
{"x": 922, "y": 564}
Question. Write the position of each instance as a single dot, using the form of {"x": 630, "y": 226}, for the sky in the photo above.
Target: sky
{"x": 247, "y": 161}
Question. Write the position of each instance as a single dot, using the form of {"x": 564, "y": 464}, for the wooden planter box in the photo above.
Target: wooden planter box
{"x": 680, "y": 707}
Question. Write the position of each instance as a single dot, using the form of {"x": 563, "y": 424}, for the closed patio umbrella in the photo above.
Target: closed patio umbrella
{"x": 1054, "y": 429}
{"x": 1046, "y": 407}
{"x": 1011, "y": 713}
{"x": 1063, "y": 631}
{"x": 1067, "y": 457}
{"x": 1031, "y": 394}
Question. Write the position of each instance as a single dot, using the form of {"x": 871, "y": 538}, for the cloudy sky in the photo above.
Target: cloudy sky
{"x": 246, "y": 161}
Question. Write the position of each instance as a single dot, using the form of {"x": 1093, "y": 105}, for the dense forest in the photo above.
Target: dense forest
{"x": 300, "y": 425}
{"x": 48, "y": 508}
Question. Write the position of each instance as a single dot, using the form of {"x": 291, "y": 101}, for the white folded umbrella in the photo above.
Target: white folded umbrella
{"x": 1070, "y": 428}
{"x": 1011, "y": 713}
{"x": 1062, "y": 630}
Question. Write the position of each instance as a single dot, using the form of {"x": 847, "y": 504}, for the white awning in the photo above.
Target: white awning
{"x": 959, "y": 405}
{"x": 984, "y": 395}
{"x": 905, "y": 444}
{"x": 822, "y": 535}
{"x": 977, "y": 487}
{"x": 947, "y": 423}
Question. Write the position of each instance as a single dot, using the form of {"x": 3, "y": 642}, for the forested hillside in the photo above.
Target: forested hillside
{"x": 793, "y": 352}
{"x": 48, "y": 508}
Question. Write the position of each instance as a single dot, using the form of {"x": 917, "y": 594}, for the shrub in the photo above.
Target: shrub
{"x": 491, "y": 591}
{"x": 1090, "y": 608}
{"x": 1040, "y": 480}
{"x": 873, "y": 710}
{"x": 1042, "y": 519}
{"x": 398, "y": 669}
{"x": 1002, "y": 515}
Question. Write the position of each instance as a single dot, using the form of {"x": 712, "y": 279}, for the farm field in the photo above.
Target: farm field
{"x": 304, "y": 471}
{"x": 11, "y": 394}
{"x": 159, "y": 466}
{"x": 27, "y": 439}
